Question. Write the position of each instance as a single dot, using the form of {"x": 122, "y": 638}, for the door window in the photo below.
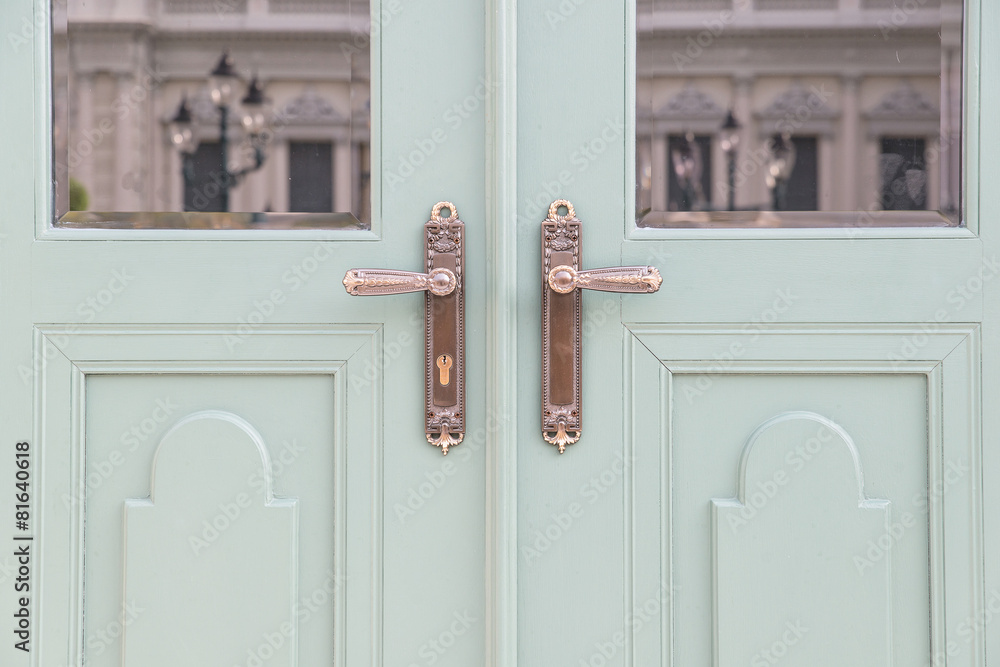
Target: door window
{"x": 803, "y": 110}
{"x": 192, "y": 111}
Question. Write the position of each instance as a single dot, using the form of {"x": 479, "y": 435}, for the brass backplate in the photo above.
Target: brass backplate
{"x": 444, "y": 239}
{"x": 561, "y": 325}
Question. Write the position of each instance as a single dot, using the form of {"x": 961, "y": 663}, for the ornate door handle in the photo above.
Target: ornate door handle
{"x": 444, "y": 329}
{"x": 562, "y": 318}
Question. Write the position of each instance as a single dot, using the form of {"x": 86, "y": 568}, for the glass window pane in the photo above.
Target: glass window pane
{"x": 804, "y": 113}
{"x": 184, "y": 113}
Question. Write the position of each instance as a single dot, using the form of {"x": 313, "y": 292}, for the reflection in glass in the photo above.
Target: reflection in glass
{"x": 800, "y": 107}
{"x": 209, "y": 107}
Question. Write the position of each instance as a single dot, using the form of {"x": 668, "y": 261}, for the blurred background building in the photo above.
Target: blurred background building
{"x": 868, "y": 92}
{"x": 811, "y": 105}
{"x": 123, "y": 67}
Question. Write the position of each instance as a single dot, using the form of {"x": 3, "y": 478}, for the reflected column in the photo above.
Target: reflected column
{"x": 80, "y": 164}
{"x": 849, "y": 143}
{"x": 342, "y": 175}
{"x": 279, "y": 162}
{"x": 659, "y": 173}
{"x": 126, "y": 167}
{"x": 743, "y": 112}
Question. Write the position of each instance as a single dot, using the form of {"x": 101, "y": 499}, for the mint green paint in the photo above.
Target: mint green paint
{"x": 537, "y": 558}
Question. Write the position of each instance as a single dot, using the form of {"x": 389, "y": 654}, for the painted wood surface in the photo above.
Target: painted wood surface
{"x": 504, "y": 549}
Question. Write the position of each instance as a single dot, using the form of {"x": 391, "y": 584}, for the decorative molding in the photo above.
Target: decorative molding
{"x": 796, "y": 98}
{"x": 310, "y": 108}
{"x": 655, "y": 352}
{"x": 904, "y": 102}
{"x": 202, "y": 459}
{"x": 77, "y": 352}
{"x": 691, "y": 103}
{"x": 823, "y": 505}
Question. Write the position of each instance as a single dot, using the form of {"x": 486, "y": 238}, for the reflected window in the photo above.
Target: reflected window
{"x": 802, "y": 191}
{"x": 904, "y": 174}
{"x": 150, "y": 115}
{"x": 310, "y": 172}
{"x": 201, "y": 186}
{"x": 690, "y": 172}
{"x": 809, "y": 108}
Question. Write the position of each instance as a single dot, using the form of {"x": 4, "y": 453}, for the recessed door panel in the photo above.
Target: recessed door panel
{"x": 801, "y": 494}
{"x": 190, "y": 475}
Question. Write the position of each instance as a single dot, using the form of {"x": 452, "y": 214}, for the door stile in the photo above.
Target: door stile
{"x": 982, "y": 167}
{"x": 501, "y": 334}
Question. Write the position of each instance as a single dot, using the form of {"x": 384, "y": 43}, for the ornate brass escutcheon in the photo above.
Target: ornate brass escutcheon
{"x": 562, "y": 280}
{"x": 444, "y": 330}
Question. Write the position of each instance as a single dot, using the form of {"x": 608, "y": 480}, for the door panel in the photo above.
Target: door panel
{"x": 255, "y": 327}
{"x": 758, "y": 341}
{"x": 745, "y": 494}
{"x": 124, "y": 402}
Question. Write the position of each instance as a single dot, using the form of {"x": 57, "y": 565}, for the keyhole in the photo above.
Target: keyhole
{"x": 444, "y": 363}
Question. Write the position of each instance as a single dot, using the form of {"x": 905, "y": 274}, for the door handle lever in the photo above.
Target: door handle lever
{"x": 444, "y": 320}
{"x": 562, "y": 318}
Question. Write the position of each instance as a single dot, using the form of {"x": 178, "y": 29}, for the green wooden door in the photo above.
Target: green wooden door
{"x": 228, "y": 463}
{"x": 788, "y": 452}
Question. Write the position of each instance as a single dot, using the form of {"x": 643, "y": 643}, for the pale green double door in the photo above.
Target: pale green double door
{"x": 789, "y": 453}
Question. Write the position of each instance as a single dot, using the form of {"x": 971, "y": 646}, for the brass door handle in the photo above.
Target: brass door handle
{"x": 562, "y": 318}
{"x": 444, "y": 318}
{"x": 377, "y": 282}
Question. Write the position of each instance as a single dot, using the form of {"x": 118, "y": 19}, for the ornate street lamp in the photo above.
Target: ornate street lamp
{"x": 729, "y": 138}
{"x": 223, "y": 82}
{"x": 779, "y": 169}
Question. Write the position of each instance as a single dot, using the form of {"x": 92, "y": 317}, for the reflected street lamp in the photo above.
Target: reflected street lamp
{"x": 223, "y": 83}
{"x": 729, "y": 138}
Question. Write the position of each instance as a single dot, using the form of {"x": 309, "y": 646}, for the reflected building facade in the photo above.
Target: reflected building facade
{"x": 121, "y": 70}
{"x": 868, "y": 93}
